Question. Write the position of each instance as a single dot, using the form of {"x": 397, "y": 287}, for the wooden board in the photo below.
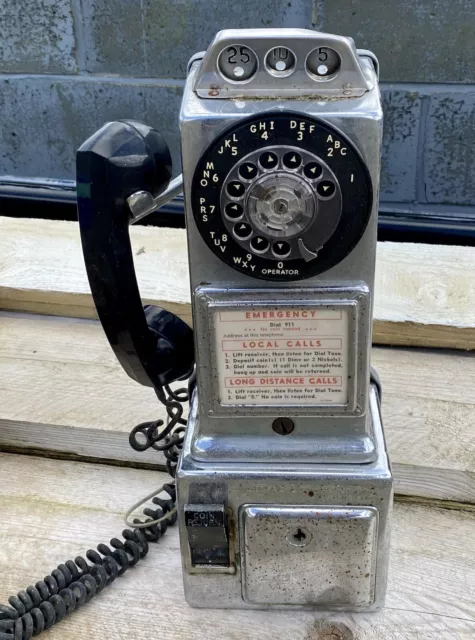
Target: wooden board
{"x": 425, "y": 294}
{"x": 55, "y": 510}
{"x": 63, "y": 391}
{"x": 42, "y": 268}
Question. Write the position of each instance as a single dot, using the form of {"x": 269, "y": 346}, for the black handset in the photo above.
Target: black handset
{"x": 154, "y": 346}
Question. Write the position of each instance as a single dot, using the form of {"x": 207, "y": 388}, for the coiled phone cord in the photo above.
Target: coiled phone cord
{"x": 72, "y": 584}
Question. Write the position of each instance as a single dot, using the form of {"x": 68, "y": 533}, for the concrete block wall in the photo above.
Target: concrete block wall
{"x": 66, "y": 66}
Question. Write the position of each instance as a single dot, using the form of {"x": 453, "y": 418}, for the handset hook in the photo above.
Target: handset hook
{"x": 142, "y": 203}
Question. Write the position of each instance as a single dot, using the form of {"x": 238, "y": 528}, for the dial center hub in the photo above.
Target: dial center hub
{"x": 281, "y": 204}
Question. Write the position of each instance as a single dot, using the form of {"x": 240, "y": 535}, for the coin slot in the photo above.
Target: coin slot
{"x": 237, "y": 63}
{"x": 280, "y": 62}
{"x": 323, "y": 63}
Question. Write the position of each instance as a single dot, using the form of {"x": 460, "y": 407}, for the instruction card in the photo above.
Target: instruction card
{"x": 284, "y": 355}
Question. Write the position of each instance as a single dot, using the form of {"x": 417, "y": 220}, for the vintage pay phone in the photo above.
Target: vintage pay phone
{"x": 283, "y": 484}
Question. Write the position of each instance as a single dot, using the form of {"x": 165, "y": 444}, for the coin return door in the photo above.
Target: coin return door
{"x": 302, "y": 555}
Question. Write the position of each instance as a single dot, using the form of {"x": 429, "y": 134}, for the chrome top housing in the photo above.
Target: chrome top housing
{"x": 282, "y": 63}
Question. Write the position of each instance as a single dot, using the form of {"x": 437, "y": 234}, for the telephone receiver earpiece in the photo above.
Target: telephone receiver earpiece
{"x": 128, "y": 160}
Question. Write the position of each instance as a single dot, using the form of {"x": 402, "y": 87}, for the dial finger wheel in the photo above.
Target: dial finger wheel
{"x": 281, "y": 196}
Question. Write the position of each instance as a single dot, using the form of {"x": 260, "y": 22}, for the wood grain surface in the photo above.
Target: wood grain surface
{"x": 425, "y": 294}
{"x": 63, "y": 390}
{"x": 54, "y": 510}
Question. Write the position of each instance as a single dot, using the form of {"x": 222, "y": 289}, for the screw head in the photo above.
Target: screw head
{"x": 298, "y": 537}
{"x": 283, "y": 426}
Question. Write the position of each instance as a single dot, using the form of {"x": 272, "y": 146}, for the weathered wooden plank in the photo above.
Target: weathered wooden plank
{"x": 425, "y": 294}
{"x": 42, "y": 268}
{"x": 63, "y": 390}
{"x": 422, "y": 295}
{"x": 54, "y": 510}
{"x": 411, "y": 334}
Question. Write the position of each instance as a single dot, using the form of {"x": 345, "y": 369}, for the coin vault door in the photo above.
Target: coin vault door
{"x": 300, "y": 555}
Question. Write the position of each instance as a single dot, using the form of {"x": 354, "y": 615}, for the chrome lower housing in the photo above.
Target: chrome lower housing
{"x": 299, "y": 535}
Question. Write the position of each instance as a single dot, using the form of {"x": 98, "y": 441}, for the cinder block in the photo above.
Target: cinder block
{"x": 37, "y": 36}
{"x": 157, "y": 38}
{"x": 449, "y": 158}
{"x": 44, "y": 120}
{"x": 415, "y": 40}
{"x": 400, "y": 141}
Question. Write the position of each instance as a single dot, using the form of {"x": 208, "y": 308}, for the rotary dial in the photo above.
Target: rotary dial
{"x": 281, "y": 197}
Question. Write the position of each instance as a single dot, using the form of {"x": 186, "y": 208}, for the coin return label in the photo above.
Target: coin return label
{"x": 274, "y": 356}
